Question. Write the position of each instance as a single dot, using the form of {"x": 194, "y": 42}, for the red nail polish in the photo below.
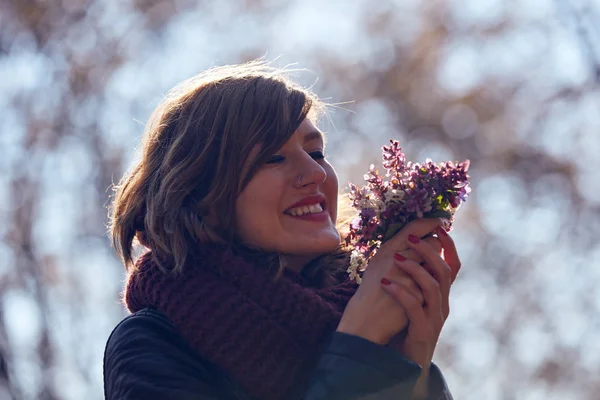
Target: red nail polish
{"x": 413, "y": 239}
{"x": 385, "y": 281}
{"x": 399, "y": 257}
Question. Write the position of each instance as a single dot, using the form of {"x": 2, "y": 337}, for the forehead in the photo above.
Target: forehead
{"x": 308, "y": 132}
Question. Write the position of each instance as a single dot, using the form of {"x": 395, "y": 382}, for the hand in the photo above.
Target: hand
{"x": 434, "y": 279}
{"x": 410, "y": 254}
{"x": 424, "y": 228}
{"x": 398, "y": 340}
{"x": 372, "y": 313}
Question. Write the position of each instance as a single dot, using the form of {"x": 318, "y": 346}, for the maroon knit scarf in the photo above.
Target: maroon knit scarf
{"x": 266, "y": 335}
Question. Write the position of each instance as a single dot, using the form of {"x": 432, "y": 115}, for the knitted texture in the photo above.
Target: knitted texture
{"x": 265, "y": 334}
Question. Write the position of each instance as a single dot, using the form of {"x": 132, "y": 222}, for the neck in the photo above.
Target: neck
{"x": 296, "y": 263}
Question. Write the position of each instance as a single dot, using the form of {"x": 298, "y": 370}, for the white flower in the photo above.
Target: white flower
{"x": 357, "y": 265}
{"x": 378, "y": 205}
{"x": 373, "y": 203}
{"x": 394, "y": 195}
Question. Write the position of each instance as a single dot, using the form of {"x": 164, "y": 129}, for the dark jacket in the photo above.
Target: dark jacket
{"x": 146, "y": 359}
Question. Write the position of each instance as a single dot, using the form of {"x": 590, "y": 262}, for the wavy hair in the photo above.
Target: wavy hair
{"x": 201, "y": 147}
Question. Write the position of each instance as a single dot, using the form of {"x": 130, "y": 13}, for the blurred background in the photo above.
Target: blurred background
{"x": 512, "y": 85}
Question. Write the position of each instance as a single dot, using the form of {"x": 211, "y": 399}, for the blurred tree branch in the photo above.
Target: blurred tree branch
{"x": 588, "y": 48}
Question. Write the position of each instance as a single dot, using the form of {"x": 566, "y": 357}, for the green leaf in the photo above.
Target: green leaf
{"x": 438, "y": 214}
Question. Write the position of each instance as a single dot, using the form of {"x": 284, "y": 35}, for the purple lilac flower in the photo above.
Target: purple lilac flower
{"x": 406, "y": 192}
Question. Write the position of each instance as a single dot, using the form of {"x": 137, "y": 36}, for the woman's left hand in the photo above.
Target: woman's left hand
{"x": 434, "y": 278}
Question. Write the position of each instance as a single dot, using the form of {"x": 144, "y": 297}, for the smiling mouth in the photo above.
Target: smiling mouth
{"x": 316, "y": 208}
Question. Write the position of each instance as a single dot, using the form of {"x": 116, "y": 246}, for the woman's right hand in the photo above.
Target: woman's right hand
{"x": 372, "y": 313}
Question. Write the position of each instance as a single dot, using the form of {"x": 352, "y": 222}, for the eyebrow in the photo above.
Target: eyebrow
{"x": 313, "y": 135}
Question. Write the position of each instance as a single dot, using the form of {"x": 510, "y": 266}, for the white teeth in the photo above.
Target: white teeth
{"x": 315, "y": 208}
{"x": 312, "y": 209}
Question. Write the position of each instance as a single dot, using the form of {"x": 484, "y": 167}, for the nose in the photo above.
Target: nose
{"x": 312, "y": 173}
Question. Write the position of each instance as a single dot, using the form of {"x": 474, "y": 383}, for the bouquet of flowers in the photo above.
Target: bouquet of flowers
{"x": 407, "y": 191}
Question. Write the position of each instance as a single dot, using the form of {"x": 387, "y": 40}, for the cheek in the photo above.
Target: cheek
{"x": 257, "y": 208}
{"x": 249, "y": 216}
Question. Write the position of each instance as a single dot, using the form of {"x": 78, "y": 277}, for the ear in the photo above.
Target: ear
{"x": 211, "y": 219}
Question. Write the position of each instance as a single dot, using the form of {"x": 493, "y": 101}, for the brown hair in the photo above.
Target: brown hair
{"x": 198, "y": 153}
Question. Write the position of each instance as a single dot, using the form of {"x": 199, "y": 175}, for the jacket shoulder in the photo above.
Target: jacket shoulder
{"x": 141, "y": 327}
{"x": 145, "y": 358}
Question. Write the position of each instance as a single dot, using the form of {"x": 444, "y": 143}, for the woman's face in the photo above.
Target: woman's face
{"x": 277, "y": 212}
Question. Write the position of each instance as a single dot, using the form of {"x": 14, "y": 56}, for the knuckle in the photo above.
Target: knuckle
{"x": 405, "y": 281}
{"x": 446, "y": 270}
{"x": 411, "y": 286}
{"x": 412, "y": 305}
{"x": 433, "y": 286}
{"x": 429, "y": 282}
{"x": 412, "y": 255}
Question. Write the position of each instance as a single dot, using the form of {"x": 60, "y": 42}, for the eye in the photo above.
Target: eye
{"x": 275, "y": 160}
{"x": 317, "y": 155}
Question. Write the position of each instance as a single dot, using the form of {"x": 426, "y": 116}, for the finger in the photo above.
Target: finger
{"x": 439, "y": 266}
{"x": 409, "y": 284}
{"x": 450, "y": 252}
{"x": 435, "y": 242}
{"x": 419, "y": 228}
{"x": 419, "y": 325}
{"x": 400, "y": 277}
{"x": 428, "y": 285}
{"x": 410, "y": 254}
{"x": 432, "y": 258}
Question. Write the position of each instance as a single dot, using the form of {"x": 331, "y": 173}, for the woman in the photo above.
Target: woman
{"x": 243, "y": 293}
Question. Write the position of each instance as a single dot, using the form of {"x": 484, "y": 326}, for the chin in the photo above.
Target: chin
{"x": 319, "y": 245}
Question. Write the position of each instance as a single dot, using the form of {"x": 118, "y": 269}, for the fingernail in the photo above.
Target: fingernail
{"x": 443, "y": 231}
{"x": 413, "y": 239}
{"x": 385, "y": 281}
{"x": 399, "y": 257}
